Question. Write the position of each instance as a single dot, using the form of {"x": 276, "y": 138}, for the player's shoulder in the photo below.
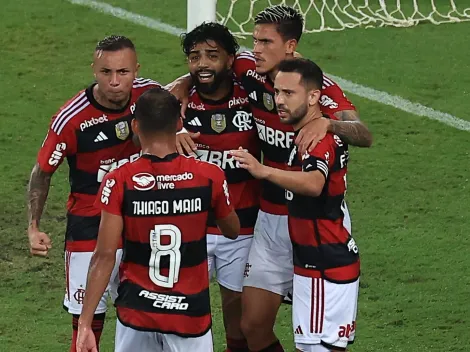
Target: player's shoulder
{"x": 328, "y": 82}
{"x": 142, "y": 84}
{"x": 204, "y": 168}
{"x": 245, "y": 55}
{"x": 75, "y": 106}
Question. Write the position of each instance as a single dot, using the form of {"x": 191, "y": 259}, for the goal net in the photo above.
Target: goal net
{"x": 336, "y": 15}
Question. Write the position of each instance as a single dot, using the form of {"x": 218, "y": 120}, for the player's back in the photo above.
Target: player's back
{"x": 164, "y": 278}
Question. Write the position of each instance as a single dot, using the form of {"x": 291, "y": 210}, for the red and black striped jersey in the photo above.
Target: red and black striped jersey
{"x": 225, "y": 125}
{"x": 276, "y": 137}
{"x": 94, "y": 139}
{"x": 322, "y": 245}
{"x": 165, "y": 204}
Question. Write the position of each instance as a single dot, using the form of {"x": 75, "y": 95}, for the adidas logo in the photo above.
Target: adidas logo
{"x": 298, "y": 331}
{"x": 252, "y": 95}
{"x": 195, "y": 122}
{"x": 101, "y": 137}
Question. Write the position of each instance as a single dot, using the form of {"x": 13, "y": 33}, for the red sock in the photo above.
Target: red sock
{"x": 96, "y": 325}
{"x": 234, "y": 345}
{"x": 275, "y": 347}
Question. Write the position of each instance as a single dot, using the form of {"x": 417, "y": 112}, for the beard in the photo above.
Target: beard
{"x": 209, "y": 88}
{"x": 293, "y": 116}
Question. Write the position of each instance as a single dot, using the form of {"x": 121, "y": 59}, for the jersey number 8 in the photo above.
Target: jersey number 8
{"x": 159, "y": 250}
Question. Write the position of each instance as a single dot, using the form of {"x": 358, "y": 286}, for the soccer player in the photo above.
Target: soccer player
{"x": 269, "y": 269}
{"x": 91, "y": 130}
{"x": 160, "y": 205}
{"x": 326, "y": 257}
{"x": 219, "y": 115}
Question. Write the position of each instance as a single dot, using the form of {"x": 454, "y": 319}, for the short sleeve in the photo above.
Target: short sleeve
{"x": 221, "y": 202}
{"x": 321, "y": 158}
{"x": 60, "y": 142}
{"x": 111, "y": 194}
{"x": 333, "y": 99}
{"x": 244, "y": 62}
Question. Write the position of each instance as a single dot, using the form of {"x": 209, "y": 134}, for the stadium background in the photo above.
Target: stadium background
{"x": 408, "y": 194}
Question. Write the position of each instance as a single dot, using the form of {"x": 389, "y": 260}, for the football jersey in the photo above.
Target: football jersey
{"x": 165, "y": 204}
{"x": 322, "y": 245}
{"x": 94, "y": 139}
{"x": 225, "y": 125}
{"x": 276, "y": 137}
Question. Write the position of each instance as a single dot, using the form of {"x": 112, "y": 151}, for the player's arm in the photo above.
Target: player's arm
{"x": 38, "y": 190}
{"x": 347, "y": 124}
{"x": 350, "y": 128}
{"x": 225, "y": 216}
{"x": 109, "y": 200}
{"x": 180, "y": 89}
{"x": 59, "y": 142}
{"x": 307, "y": 183}
{"x": 101, "y": 264}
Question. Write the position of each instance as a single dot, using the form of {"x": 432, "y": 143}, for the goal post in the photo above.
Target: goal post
{"x": 331, "y": 15}
{"x": 199, "y": 11}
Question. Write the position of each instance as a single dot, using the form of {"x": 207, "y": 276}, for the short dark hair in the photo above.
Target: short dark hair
{"x": 210, "y": 31}
{"x": 115, "y": 43}
{"x": 289, "y": 22}
{"x": 156, "y": 111}
{"x": 311, "y": 74}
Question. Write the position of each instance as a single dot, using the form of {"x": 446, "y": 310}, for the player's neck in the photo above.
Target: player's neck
{"x": 311, "y": 115}
{"x": 159, "y": 146}
{"x": 223, "y": 91}
{"x": 272, "y": 74}
{"x": 101, "y": 99}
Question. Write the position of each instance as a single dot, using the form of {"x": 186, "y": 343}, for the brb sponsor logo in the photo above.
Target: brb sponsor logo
{"x": 57, "y": 154}
{"x": 224, "y": 159}
{"x": 163, "y": 301}
{"x": 93, "y": 121}
{"x": 275, "y": 137}
{"x": 111, "y": 164}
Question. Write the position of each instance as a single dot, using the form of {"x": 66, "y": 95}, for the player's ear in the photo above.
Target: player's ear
{"x": 290, "y": 46}
{"x": 135, "y": 126}
{"x": 314, "y": 97}
{"x": 93, "y": 69}
{"x": 231, "y": 58}
{"x": 137, "y": 68}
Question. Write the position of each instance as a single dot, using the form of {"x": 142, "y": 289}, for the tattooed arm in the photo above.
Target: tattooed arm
{"x": 38, "y": 189}
{"x": 350, "y": 129}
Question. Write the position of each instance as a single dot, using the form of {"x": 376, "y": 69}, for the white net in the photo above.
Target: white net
{"x": 337, "y": 15}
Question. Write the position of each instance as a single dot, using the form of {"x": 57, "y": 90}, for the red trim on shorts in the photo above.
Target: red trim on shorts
{"x": 322, "y": 304}
{"x": 343, "y": 274}
{"x": 67, "y": 274}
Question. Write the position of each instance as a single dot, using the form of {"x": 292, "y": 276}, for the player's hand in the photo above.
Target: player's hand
{"x": 248, "y": 162}
{"x": 311, "y": 134}
{"x": 185, "y": 143}
{"x": 39, "y": 242}
{"x": 86, "y": 339}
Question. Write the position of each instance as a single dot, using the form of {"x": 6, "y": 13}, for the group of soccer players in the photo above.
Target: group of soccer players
{"x": 152, "y": 232}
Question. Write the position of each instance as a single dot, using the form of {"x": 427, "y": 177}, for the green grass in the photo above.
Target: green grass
{"x": 408, "y": 195}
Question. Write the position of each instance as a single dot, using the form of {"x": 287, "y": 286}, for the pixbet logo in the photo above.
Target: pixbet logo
{"x": 93, "y": 121}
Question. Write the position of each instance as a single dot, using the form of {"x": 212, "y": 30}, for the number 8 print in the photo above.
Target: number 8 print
{"x": 160, "y": 250}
